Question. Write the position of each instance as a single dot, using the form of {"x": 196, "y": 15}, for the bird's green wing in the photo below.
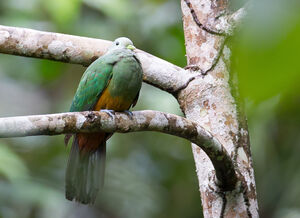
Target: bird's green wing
{"x": 91, "y": 85}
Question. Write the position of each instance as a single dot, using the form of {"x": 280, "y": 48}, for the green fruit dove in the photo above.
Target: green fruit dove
{"x": 111, "y": 83}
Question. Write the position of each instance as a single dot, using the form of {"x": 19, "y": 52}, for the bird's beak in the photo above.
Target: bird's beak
{"x": 131, "y": 47}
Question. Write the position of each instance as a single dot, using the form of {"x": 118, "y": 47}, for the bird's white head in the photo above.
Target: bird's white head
{"x": 122, "y": 42}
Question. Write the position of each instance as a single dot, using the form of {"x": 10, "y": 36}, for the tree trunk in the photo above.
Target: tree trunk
{"x": 208, "y": 101}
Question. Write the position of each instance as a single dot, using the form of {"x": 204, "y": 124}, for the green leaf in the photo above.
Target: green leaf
{"x": 266, "y": 51}
{"x": 118, "y": 9}
{"x": 12, "y": 166}
{"x": 62, "y": 11}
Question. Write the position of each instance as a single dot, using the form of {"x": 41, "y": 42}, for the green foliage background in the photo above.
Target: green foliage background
{"x": 149, "y": 174}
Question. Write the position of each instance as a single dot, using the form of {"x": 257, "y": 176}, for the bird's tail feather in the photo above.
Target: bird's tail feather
{"x": 85, "y": 173}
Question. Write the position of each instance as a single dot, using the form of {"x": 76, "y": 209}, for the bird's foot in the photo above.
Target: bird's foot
{"x": 111, "y": 113}
{"x": 129, "y": 113}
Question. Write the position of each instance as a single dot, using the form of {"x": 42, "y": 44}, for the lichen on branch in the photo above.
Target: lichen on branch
{"x": 93, "y": 121}
{"x": 84, "y": 50}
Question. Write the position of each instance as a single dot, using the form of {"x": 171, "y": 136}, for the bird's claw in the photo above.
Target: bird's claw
{"x": 129, "y": 113}
{"x": 111, "y": 113}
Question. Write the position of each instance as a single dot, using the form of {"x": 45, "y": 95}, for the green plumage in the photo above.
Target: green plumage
{"x": 92, "y": 83}
{"x": 120, "y": 72}
{"x": 121, "y": 66}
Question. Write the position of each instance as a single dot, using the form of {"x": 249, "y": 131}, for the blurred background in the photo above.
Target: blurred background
{"x": 149, "y": 174}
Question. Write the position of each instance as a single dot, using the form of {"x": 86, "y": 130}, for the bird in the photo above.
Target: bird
{"x": 111, "y": 83}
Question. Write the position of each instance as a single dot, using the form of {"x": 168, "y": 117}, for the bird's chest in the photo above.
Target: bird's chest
{"x": 126, "y": 80}
{"x": 123, "y": 87}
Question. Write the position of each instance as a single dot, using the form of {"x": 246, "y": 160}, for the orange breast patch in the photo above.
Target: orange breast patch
{"x": 106, "y": 101}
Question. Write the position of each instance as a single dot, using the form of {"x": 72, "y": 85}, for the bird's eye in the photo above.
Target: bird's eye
{"x": 117, "y": 43}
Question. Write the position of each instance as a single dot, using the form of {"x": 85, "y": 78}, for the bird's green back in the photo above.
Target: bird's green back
{"x": 96, "y": 78}
{"x": 91, "y": 85}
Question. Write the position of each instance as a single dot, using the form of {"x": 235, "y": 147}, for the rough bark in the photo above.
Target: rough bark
{"x": 93, "y": 121}
{"x": 208, "y": 101}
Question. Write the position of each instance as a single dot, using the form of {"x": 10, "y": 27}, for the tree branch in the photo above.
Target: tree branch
{"x": 93, "y": 121}
{"x": 83, "y": 50}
